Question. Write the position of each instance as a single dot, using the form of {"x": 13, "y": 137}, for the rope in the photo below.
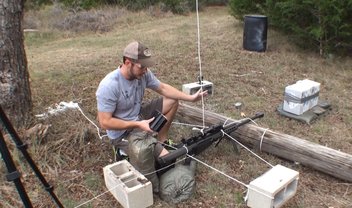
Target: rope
{"x": 222, "y": 173}
{"x": 98, "y": 130}
{"x": 261, "y": 139}
{"x": 252, "y": 121}
{"x": 200, "y": 62}
{"x": 260, "y": 145}
{"x": 247, "y": 149}
{"x": 63, "y": 106}
{"x": 225, "y": 122}
{"x": 184, "y": 146}
{"x": 203, "y": 163}
{"x": 185, "y": 124}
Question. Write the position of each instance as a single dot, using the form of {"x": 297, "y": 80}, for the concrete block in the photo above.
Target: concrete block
{"x": 192, "y": 88}
{"x": 272, "y": 189}
{"x": 130, "y": 188}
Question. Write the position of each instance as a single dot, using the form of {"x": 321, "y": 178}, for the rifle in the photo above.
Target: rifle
{"x": 200, "y": 142}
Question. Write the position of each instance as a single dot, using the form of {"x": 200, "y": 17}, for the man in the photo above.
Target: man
{"x": 120, "y": 95}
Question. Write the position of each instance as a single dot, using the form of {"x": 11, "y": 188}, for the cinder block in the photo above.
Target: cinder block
{"x": 272, "y": 189}
{"x": 130, "y": 188}
{"x": 192, "y": 88}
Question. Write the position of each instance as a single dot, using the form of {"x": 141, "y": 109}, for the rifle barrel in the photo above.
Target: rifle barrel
{"x": 233, "y": 126}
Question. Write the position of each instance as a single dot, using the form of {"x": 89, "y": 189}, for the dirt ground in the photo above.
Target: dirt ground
{"x": 68, "y": 66}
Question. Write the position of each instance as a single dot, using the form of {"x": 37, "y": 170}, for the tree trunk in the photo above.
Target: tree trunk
{"x": 15, "y": 94}
{"x": 324, "y": 159}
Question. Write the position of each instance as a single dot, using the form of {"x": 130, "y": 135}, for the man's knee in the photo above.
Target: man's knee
{"x": 170, "y": 105}
{"x": 175, "y": 104}
{"x": 159, "y": 151}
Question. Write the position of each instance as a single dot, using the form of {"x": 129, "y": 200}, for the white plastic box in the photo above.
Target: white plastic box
{"x": 273, "y": 188}
{"x": 130, "y": 188}
{"x": 301, "y": 96}
{"x": 192, "y": 88}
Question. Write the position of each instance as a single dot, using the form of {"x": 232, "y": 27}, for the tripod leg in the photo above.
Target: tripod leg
{"x": 23, "y": 148}
{"x": 13, "y": 175}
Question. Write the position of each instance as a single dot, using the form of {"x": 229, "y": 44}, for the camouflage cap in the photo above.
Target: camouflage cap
{"x": 140, "y": 53}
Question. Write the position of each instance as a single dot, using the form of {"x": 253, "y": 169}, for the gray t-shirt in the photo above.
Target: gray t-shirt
{"x": 122, "y": 97}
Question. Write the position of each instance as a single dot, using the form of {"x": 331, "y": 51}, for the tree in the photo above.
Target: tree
{"x": 15, "y": 93}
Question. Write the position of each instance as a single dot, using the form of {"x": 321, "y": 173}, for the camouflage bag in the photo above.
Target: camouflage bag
{"x": 141, "y": 156}
{"x": 178, "y": 184}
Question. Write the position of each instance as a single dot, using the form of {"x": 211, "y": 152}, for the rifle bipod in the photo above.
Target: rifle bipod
{"x": 13, "y": 174}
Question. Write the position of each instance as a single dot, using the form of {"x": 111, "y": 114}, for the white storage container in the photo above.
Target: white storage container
{"x": 301, "y": 96}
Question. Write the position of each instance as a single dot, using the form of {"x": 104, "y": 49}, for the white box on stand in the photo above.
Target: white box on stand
{"x": 301, "y": 96}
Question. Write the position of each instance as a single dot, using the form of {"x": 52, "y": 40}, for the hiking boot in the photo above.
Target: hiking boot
{"x": 120, "y": 155}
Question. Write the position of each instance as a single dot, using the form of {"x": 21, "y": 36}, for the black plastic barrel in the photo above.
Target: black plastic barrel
{"x": 255, "y": 32}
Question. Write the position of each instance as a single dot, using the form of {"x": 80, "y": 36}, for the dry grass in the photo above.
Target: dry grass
{"x": 67, "y": 66}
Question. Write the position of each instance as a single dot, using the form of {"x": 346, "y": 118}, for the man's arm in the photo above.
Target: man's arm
{"x": 110, "y": 123}
{"x": 171, "y": 92}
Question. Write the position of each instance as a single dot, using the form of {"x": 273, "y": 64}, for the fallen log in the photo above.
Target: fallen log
{"x": 321, "y": 158}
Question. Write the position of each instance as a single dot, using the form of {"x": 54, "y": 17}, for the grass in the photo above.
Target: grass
{"x": 68, "y": 65}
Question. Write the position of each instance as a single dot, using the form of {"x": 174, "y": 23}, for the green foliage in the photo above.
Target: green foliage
{"x": 36, "y": 4}
{"x": 321, "y": 25}
{"x": 242, "y": 7}
{"x": 291, "y": 17}
{"x": 238, "y": 197}
{"x": 217, "y": 2}
{"x": 182, "y": 6}
{"x": 92, "y": 180}
{"x": 136, "y": 4}
{"x": 176, "y": 6}
{"x": 84, "y": 4}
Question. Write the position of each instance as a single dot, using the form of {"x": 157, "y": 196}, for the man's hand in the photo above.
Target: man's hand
{"x": 198, "y": 95}
{"x": 173, "y": 93}
{"x": 144, "y": 125}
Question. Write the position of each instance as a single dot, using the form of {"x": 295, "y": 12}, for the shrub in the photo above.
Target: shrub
{"x": 36, "y": 4}
{"x": 135, "y": 4}
{"x": 321, "y": 25}
{"x": 102, "y": 20}
{"x": 84, "y": 4}
{"x": 182, "y": 6}
{"x": 176, "y": 6}
{"x": 239, "y": 8}
{"x": 217, "y": 2}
